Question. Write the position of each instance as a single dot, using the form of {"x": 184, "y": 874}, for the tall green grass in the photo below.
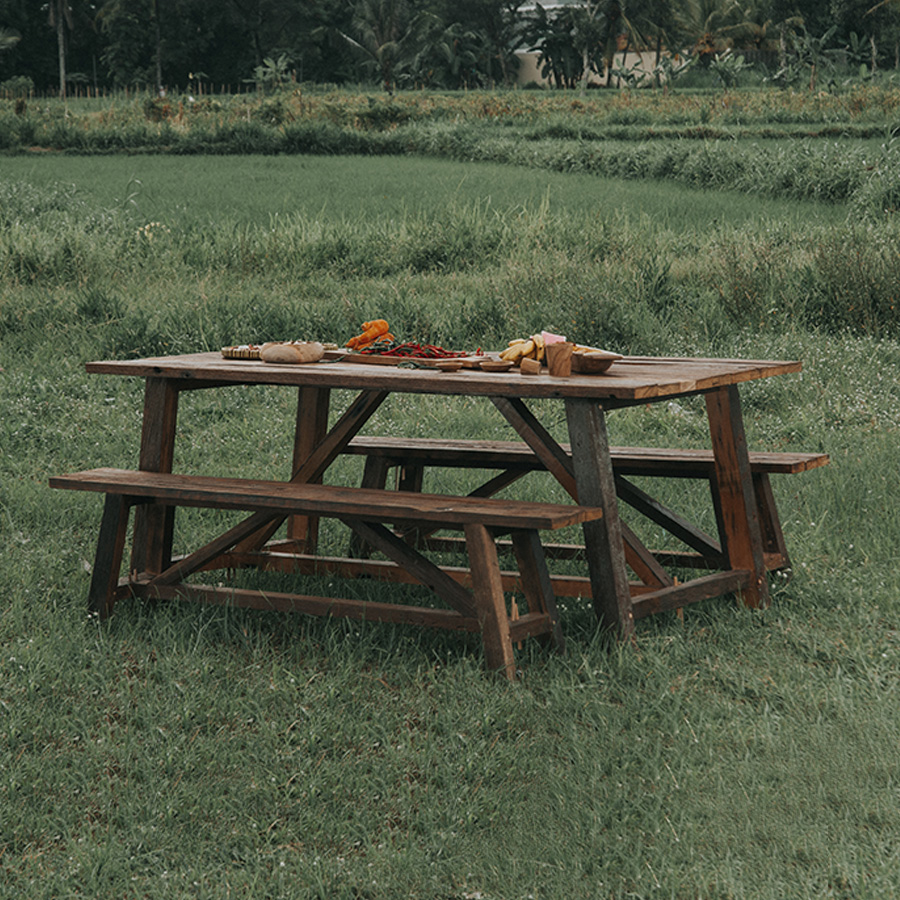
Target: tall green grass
{"x": 176, "y": 751}
{"x": 634, "y": 276}
{"x": 694, "y": 139}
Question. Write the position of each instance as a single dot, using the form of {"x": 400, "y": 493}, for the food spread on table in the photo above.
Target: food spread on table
{"x": 376, "y": 344}
{"x": 410, "y": 350}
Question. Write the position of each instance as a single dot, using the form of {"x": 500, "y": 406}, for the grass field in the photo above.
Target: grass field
{"x": 182, "y": 752}
{"x": 254, "y": 190}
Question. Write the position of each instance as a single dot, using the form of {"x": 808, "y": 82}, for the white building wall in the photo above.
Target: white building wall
{"x": 530, "y": 72}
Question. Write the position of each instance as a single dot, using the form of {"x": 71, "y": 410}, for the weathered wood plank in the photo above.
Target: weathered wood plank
{"x": 632, "y": 378}
{"x": 677, "y": 596}
{"x": 529, "y": 625}
{"x": 325, "y": 499}
{"x": 544, "y": 446}
{"x": 382, "y": 570}
{"x": 641, "y": 559}
{"x": 663, "y": 461}
{"x": 675, "y": 524}
{"x": 311, "y": 605}
{"x": 409, "y": 560}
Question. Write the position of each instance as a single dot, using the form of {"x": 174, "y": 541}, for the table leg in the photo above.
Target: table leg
{"x": 312, "y": 425}
{"x": 603, "y": 537}
{"x": 742, "y": 537}
{"x": 153, "y": 525}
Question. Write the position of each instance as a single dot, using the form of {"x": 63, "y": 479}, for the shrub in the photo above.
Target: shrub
{"x": 857, "y": 287}
{"x": 17, "y": 87}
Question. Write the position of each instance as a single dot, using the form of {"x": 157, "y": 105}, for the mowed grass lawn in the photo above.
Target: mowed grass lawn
{"x": 176, "y": 751}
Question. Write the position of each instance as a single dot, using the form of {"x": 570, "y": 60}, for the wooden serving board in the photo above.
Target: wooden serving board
{"x": 375, "y": 359}
{"x": 251, "y": 351}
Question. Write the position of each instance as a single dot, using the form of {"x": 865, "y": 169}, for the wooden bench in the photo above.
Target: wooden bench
{"x": 515, "y": 459}
{"x": 482, "y": 609}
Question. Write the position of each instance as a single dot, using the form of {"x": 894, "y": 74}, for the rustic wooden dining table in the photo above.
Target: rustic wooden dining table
{"x": 584, "y": 468}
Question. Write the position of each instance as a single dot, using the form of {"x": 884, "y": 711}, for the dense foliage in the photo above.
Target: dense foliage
{"x": 206, "y": 44}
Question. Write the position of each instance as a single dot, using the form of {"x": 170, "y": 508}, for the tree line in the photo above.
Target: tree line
{"x": 439, "y": 44}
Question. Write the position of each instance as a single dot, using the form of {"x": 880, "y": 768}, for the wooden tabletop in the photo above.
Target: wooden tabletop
{"x": 631, "y": 378}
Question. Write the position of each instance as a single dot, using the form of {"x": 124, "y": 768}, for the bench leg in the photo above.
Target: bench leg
{"x": 536, "y": 583}
{"x": 108, "y": 559}
{"x": 374, "y": 476}
{"x": 769, "y": 523}
{"x": 487, "y": 588}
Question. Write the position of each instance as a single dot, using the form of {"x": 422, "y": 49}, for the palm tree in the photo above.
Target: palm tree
{"x": 60, "y": 16}
{"x": 387, "y": 33}
{"x": 9, "y": 38}
{"x": 651, "y": 23}
{"x": 602, "y": 23}
{"x": 705, "y": 24}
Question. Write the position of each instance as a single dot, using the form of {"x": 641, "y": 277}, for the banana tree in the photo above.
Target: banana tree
{"x": 575, "y": 40}
{"x": 550, "y": 34}
{"x": 813, "y": 53}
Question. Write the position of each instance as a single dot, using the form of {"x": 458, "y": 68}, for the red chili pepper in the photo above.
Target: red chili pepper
{"x": 411, "y": 349}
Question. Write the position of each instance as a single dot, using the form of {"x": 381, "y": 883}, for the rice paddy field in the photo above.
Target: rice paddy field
{"x": 176, "y": 751}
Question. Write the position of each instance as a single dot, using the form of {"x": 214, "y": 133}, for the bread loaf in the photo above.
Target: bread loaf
{"x": 293, "y": 352}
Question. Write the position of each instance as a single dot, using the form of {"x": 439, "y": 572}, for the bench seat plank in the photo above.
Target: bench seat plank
{"x": 673, "y": 462}
{"x": 514, "y": 459}
{"x": 326, "y": 500}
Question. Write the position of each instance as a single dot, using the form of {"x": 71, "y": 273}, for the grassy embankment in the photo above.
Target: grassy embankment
{"x": 184, "y": 752}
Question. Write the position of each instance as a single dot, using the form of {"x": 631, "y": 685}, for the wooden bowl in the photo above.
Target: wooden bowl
{"x": 593, "y": 362}
{"x": 449, "y": 365}
{"x": 496, "y": 365}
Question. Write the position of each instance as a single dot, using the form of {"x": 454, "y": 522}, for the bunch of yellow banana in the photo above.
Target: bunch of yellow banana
{"x": 522, "y": 348}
